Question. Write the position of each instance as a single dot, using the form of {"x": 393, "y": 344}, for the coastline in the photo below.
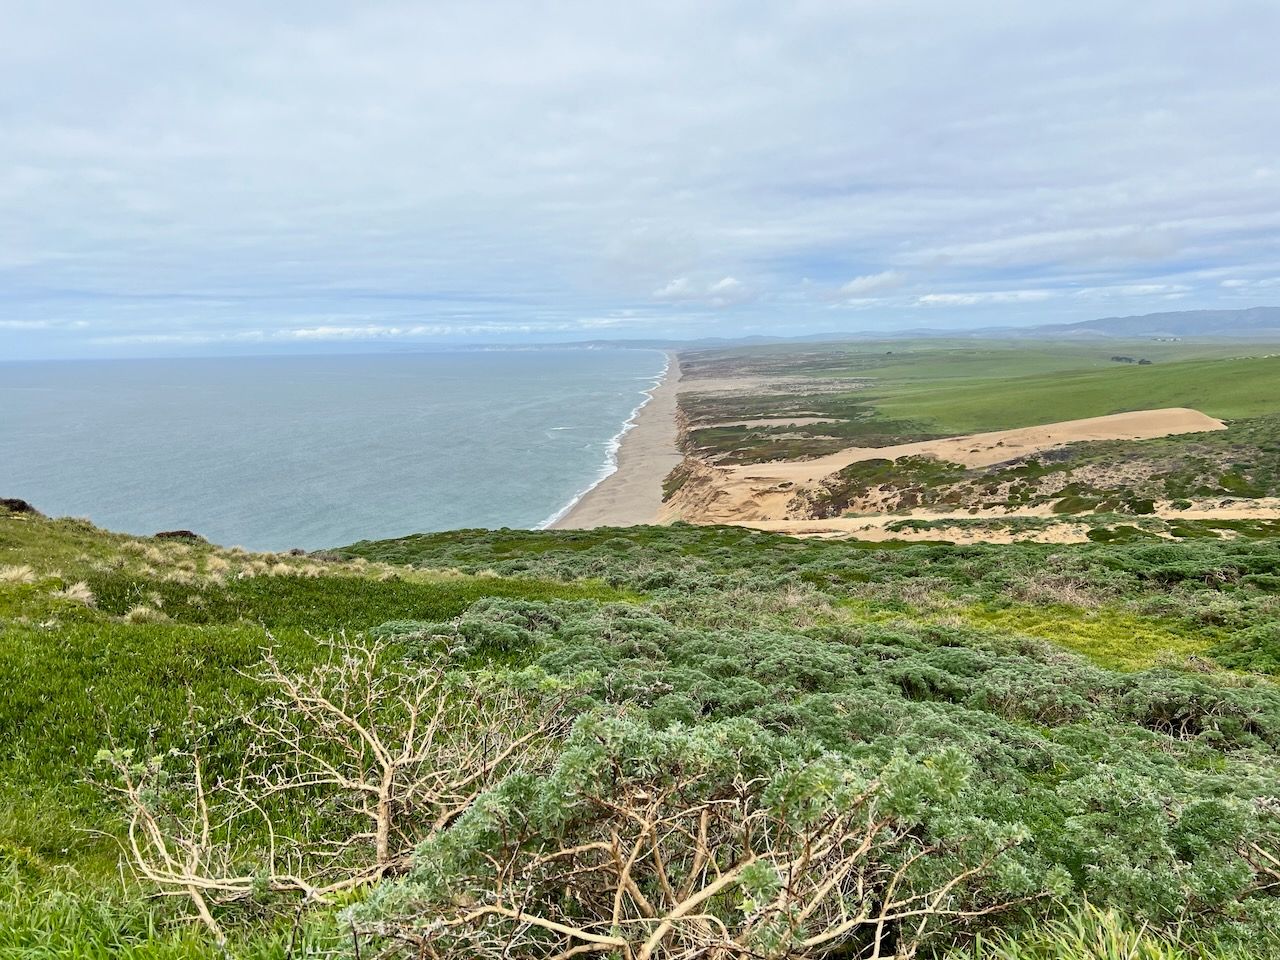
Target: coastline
{"x": 647, "y": 451}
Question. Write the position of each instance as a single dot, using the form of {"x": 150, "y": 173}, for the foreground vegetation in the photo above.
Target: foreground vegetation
{"x": 648, "y": 742}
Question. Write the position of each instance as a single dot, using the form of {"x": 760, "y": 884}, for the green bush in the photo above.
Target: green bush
{"x": 1077, "y": 696}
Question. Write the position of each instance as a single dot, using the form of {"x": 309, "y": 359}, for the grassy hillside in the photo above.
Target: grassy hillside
{"x": 1227, "y": 389}
{"x": 1091, "y": 725}
{"x": 879, "y": 394}
{"x": 107, "y": 639}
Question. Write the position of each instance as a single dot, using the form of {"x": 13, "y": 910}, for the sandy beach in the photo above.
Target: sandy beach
{"x": 632, "y": 494}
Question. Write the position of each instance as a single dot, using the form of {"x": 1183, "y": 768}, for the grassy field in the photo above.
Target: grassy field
{"x": 170, "y": 626}
{"x": 885, "y": 393}
{"x": 938, "y": 360}
{"x": 1227, "y": 389}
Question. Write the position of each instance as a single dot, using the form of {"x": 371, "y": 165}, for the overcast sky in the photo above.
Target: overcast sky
{"x": 181, "y": 177}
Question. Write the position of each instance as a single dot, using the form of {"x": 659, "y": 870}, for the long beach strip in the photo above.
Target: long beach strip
{"x": 632, "y": 494}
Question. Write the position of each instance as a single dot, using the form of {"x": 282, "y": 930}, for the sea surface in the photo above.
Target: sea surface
{"x": 271, "y": 453}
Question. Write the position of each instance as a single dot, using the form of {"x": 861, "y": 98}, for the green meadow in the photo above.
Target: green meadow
{"x": 1227, "y": 389}
{"x": 882, "y": 393}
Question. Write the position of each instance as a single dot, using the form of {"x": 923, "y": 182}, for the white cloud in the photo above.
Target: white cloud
{"x": 334, "y": 333}
{"x": 1247, "y": 285}
{"x": 872, "y": 283}
{"x": 678, "y": 289}
{"x": 984, "y": 297}
{"x": 727, "y": 292}
{"x": 390, "y": 164}
{"x": 721, "y": 293}
{"x": 1166, "y": 290}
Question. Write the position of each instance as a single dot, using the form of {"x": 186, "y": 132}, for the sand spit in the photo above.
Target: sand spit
{"x": 632, "y": 494}
{"x": 763, "y": 491}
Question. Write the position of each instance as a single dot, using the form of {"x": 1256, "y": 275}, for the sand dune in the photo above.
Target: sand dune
{"x": 758, "y": 495}
{"x": 762, "y": 492}
{"x": 1063, "y": 531}
{"x": 985, "y": 449}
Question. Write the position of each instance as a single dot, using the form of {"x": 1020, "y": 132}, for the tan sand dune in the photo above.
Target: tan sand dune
{"x": 763, "y": 491}
{"x": 985, "y": 449}
{"x": 876, "y": 529}
{"x": 1064, "y": 531}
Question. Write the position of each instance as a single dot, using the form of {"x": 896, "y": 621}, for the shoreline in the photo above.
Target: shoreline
{"x": 647, "y": 450}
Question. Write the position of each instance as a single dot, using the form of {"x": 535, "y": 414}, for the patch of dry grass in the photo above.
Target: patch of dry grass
{"x": 141, "y": 613}
{"x": 78, "y": 591}
{"x": 21, "y": 573}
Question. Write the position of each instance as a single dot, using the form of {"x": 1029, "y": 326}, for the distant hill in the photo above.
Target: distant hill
{"x": 1254, "y": 323}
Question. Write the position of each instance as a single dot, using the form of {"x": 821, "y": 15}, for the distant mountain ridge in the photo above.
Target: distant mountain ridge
{"x": 1251, "y": 323}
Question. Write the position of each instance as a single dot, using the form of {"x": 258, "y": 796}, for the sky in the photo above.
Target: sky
{"x": 179, "y": 178}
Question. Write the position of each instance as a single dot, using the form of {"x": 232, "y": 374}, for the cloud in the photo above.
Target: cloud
{"x": 1166, "y": 290}
{"x": 221, "y": 170}
{"x": 873, "y": 283}
{"x": 677, "y": 290}
{"x": 334, "y": 333}
{"x": 1264, "y": 283}
{"x": 725, "y": 292}
{"x": 984, "y": 297}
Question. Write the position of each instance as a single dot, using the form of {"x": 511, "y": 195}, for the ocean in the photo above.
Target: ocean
{"x": 271, "y": 453}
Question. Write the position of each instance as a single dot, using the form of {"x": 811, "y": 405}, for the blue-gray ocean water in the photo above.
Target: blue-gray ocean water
{"x": 280, "y": 452}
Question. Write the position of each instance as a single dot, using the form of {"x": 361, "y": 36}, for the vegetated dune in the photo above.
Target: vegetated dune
{"x": 1065, "y": 530}
{"x": 769, "y": 422}
{"x": 763, "y": 491}
{"x": 985, "y": 449}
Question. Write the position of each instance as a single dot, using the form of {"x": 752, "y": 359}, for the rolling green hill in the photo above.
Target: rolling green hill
{"x": 879, "y": 394}
{"x": 1227, "y": 389}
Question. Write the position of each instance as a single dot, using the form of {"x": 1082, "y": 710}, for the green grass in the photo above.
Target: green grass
{"x": 324, "y": 603}
{"x": 1093, "y": 934}
{"x": 1227, "y": 389}
{"x": 43, "y": 920}
{"x": 1109, "y": 637}
{"x": 889, "y": 392}
{"x": 936, "y": 360}
{"x": 76, "y": 678}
